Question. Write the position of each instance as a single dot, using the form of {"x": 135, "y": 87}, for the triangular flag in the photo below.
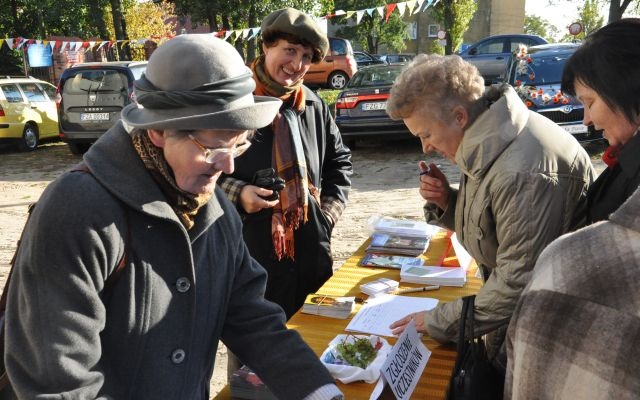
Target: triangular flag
{"x": 401, "y": 7}
{"x": 9, "y": 43}
{"x": 419, "y": 8}
{"x": 349, "y": 14}
{"x": 339, "y": 12}
{"x": 102, "y": 44}
{"x": 390, "y": 8}
{"x": 411, "y": 4}
{"x": 428, "y": 3}
{"x": 20, "y": 43}
{"x": 254, "y": 32}
{"x": 124, "y": 42}
{"x": 78, "y": 45}
{"x": 1, "y": 42}
{"x": 62, "y": 47}
{"x": 38, "y": 41}
{"x": 380, "y": 11}
{"x": 245, "y": 33}
{"x": 359, "y": 14}
{"x": 227, "y": 34}
{"x": 370, "y": 11}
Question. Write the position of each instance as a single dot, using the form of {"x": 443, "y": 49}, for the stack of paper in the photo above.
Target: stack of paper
{"x": 379, "y": 286}
{"x": 389, "y": 261}
{"x": 428, "y": 275}
{"x": 402, "y": 227}
{"x": 396, "y": 244}
{"x": 329, "y": 306}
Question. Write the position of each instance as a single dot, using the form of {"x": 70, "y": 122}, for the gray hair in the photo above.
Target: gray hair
{"x": 435, "y": 84}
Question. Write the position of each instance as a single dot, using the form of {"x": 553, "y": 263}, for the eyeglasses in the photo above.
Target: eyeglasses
{"x": 212, "y": 156}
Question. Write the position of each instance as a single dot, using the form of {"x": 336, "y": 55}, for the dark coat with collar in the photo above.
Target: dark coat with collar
{"x": 615, "y": 184}
{"x": 329, "y": 168}
{"x": 154, "y": 333}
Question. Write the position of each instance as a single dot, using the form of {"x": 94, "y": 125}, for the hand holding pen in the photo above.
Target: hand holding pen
{"x": 434, "y": 186}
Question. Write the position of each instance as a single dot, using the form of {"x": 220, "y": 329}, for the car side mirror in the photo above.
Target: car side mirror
{"x": 473, "y": 51}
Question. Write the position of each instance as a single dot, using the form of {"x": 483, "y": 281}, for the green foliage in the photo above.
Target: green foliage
{"x": 360, "y": 353}
{"x": 454, "y": 16}
{"x": 436, "y": 48}
{"x": 590, "y": 18}
{"x": 535, "y": 25}
{"x": 329, "y": 97}
{"x": 373, "y": 31}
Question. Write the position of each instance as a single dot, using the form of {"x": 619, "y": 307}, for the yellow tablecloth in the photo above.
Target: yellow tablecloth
{"x": 318, "y": 331}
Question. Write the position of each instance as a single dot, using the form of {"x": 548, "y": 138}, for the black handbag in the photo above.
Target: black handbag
{"x": 473, "y": 375}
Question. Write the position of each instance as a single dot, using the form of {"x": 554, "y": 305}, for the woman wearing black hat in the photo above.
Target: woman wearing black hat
{"x": 290, "y": 236}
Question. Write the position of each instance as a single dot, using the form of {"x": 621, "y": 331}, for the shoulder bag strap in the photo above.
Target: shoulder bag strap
{"x": 461, "y": 346}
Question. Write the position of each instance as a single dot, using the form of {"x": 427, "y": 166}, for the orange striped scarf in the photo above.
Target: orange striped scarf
{"x": 288, "y": 160}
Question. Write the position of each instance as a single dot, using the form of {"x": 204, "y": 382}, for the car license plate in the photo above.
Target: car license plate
{"x": 94, "y": 116}
{"x": 382, "y": 105}
{"x": 573, "y": 129}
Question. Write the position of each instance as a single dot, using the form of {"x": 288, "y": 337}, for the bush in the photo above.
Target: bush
{"x": 329, "y": 96}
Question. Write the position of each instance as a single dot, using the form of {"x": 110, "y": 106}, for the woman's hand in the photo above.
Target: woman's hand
{"x": 434, "y": 186}
{"x": 251, "y": 201}
{"x": 399, "y": 326}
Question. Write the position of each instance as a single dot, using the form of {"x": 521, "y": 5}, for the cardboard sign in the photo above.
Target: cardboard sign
{"x": 405, "y": 363}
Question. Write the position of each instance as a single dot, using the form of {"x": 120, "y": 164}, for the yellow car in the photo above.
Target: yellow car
{"x": 28, "y": 112}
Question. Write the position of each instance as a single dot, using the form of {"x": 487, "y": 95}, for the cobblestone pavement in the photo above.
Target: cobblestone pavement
{"x": 384, "y": 182}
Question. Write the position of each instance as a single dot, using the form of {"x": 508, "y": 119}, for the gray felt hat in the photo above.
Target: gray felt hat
{"x": 197, "y": 81}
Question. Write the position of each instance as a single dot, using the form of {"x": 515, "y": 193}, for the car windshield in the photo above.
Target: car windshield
{"x": 375, "y": 76}
{"x": 535, "y": 70}
{"x": 96, "y": 80}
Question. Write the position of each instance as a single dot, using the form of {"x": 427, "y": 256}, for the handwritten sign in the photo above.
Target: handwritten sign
{"x": 405, "y": 363}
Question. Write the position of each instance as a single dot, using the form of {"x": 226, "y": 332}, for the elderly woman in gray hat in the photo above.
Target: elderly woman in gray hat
{"x": 290, "y": 235}
{"x": 146, "y": 272}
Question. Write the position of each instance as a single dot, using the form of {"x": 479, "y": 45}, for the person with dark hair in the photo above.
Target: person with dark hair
{"x": 148, "y": 269}
{"x": 522, "y": 178}
{"x": 290, "y": 235}
{"x": 604, "y": 74}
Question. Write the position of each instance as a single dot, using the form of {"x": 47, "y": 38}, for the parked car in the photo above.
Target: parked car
{"x": 364, "y": 59}
{"x": 397, "y": 58}
{"x": 535, "y": 73}
{"x": 90, "y": 97}
{"x": 27, "y": 112}
{"x": 361, "y": 106}
{"x": 491, "y": 55}
{"x": 335, "y": 70}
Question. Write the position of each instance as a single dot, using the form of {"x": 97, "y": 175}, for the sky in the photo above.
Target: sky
{"x": 561, "y": 15}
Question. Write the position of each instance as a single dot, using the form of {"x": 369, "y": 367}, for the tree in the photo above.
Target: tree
{"x": 374, "y": 30}
{"x": 589, "y": 17}
{"x": 618, "y": 7}
{"x": 535, "y": 25}
{"x": 454, "y": 16}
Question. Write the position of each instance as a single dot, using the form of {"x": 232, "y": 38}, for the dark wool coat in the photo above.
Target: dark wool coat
{"x": 329, "y": 168}
{"x": 153, "y": 335}
{"x": 575, "y": 333}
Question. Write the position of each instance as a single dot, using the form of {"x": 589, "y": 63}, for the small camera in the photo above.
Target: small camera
{"x": 267, "y": 179}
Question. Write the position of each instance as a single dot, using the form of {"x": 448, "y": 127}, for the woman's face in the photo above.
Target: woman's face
{"x": 616, "y": 128}
{"x": 187, "y": 160}
{"x": 436, "y": 135}
{"x": 286, "y": 63}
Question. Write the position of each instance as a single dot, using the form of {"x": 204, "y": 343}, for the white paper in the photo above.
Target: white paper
{"x": 379, "y": 312}
{"x": 464, "y": 258}
{"x": 405, "y": 363}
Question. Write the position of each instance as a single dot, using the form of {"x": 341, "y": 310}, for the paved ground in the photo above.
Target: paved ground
{"x": 384, "y": 182}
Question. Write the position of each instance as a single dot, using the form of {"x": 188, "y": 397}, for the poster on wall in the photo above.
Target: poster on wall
{"x": 39, "y": 55}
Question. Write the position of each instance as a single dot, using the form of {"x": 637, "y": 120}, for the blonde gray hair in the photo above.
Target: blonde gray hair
{"x": 435, "y": 84}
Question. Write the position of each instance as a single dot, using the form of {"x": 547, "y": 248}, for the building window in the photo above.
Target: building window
{"x": 433, "y": 30}
{"x": 412, "y": 30}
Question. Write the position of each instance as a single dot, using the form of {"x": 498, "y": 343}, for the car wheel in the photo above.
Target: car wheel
{"x": 338, "y": 80}
{"x": 29, "y": 138}
{"x": 78, "y": 148}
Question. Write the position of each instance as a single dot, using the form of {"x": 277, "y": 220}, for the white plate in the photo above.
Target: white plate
{"x": 94, "y": 116}
{"x": 374, "y": 106}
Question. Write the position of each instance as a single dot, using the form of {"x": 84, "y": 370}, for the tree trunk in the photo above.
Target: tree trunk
{"x": 118, "y": 27}
{"x": 17, "y": 31}
{"x": 448, "y": 24}
{"x": 95, "y": 8}
{"x": 252, "y": 45}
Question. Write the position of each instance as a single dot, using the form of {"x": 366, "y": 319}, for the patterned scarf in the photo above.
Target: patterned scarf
{"x": 184, "y": 204}
{"x": 288, "y": 159}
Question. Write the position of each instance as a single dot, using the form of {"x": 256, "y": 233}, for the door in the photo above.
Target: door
{"x": 43, "y": 107}
{"x": 14, "y": 108}
{"x": 490, "y": 57}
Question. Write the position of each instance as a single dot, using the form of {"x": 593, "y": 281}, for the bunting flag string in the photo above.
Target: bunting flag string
{"x": 409, "y": 7}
